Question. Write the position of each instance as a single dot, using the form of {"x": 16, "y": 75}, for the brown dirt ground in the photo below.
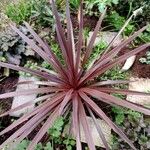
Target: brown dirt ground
{"x": 141, "y": 70}
{"x": 6, "y": 85}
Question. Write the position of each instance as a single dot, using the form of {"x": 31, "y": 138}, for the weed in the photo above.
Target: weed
{"x": 55, "y": 135}
{"x": 96, "y": 4}
{"x": 19, "y": 12}
{"x": 146, "y": 59}
{"x": 117, "y": 21}
{"x": 121, "y": 114}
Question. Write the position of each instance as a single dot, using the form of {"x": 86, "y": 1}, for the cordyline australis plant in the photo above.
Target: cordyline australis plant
{"x": 71, "y": 85}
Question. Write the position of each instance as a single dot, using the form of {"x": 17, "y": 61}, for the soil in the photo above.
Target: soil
{"x": 88, "y": 21}
{"x": 138, "y": 69}
{"x": 141, "y": 70}
{"x": 6, "y": 85}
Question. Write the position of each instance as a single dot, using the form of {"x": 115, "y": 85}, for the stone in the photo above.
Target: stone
{"x": 19, "y": 100}
{"x": 97, "y": 140}
{"x": 141, "y": 85}
{"x": 129, "y": 63}
{"x": 105, "y": 37}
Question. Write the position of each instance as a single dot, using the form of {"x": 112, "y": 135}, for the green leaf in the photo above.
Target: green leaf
{"x": 118, "y": 110}
{"x": 59, "y": 123}
{"x": 115, "y": 1}
{"x": 39, "y": 146}
{"x": 120, "y": 119}
{"x": 22, "y": 145}
{"x": 48, "y": 146}
{"x": 101, "y": 7}
{"x": 69, "y": 147}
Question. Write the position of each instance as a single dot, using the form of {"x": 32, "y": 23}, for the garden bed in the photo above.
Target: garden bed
{"x": 135, "y": 125}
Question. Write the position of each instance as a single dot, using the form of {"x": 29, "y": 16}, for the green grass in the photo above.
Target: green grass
{"x": 19, "y": 12}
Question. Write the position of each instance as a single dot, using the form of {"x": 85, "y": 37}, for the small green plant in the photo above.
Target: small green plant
{"x": 24, "y": 144}
{"x": 31, "y": 65}
{"x": 99, "y": 5}
{"x": 19, "y": 12}
{"x": 3, "y": 59}
{"x": 74, "y": 4}
{"x": 145, "y": 36}
{"x": 56, "y": 50}
{"x": 55, "y": 135}
{"x": 56, "y": 130}
{"x": 122, "y": 113}
{"x": 117, "y": 21}
{"x": 42, "y": 13}
{"x": 36, "y": 10}
{"x": 86, "y": 31}
{"x": 97, "y": 51}
{"x": 146, "y": 59}
{"x": 70, "y": 143}
{"x": 114, "y": 74}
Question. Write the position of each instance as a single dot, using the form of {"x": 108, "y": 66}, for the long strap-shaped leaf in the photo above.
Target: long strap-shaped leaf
{"x": 33, "y": 72}
{"x": 122, "y": 91}
{"x": 37, "y": 49}
{"x": 45, "y": 47}
{"x": 20, "y": 107}
{"x": 29, "y": 92}
{"x": 85, "y": 126}
{"x": 99, "y": 129}
{"x": 26, "y": 126}
{"x": 80, "y": 38}
{"x": 58, "y": 22}
{"x": 115, "y": 38}
{"x": 110, "y": 82}
{"x": 53, "y": 102}
{"x": 109, "y": 56}
{"x": 75, "y": 120}
{"x": 114, "y": 100}
{"x": 102, "y": 115}
{"x": 121, "y": 59}
{"x": 38, "y": 39}
{"x": 45, "y": 83}
{"x": 92, "y": 73}
{"x": 28, "y": 131}
{"x": 92, "y": 40}
{"x": 62, "y": 46}
{"x": 60, "y": 33}
{"x": 116, "y": 50}
{"x": 70, "y": 36}
{"x": 44, "y": 129}
{"x": 65, "y": 101}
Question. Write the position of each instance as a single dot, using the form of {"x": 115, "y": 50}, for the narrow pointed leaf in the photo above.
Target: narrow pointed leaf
{"x": 102, "y": 115}
{"x": 65, "y": 101}
{"x": 114, "y": 100}
{"x": 92, "y": 40}
{"x": 43, "y": 130}
{"x": 75, "y": 118}
{"x": 98, "y": 129}
{"x": 85, "y": 126}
